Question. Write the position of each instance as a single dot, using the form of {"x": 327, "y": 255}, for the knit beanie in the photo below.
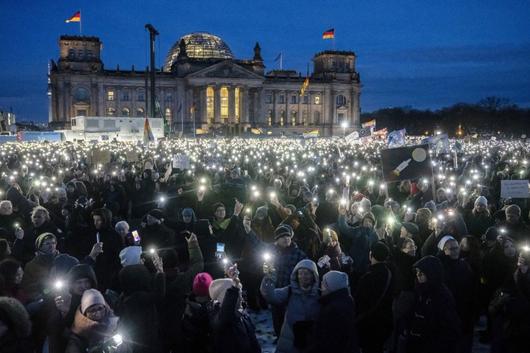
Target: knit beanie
{"x": 218, "y": 288}
{"x": 201, "y": 284}
{"x": 370, "y": 216}
{"x": 62, "y": 264}
{"x": 491, "y": 234}
{"x": 41, "y": 238}
{"x": 156, "y": 213}
{"x": 481, "y": 200}
{"x": 131, "y": 255}
{"x": 283, "y": 230}
{"x": 380, "y": 251}
{"x": 444, "y": 240}
{"x": 333, "y": 281}
{"x": 91, "y": 297}
{"x": 411, "y": 228}
{"x": 261, "y": 212}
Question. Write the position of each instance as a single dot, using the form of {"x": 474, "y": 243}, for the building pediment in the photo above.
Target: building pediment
{"x": 224, "y": 70}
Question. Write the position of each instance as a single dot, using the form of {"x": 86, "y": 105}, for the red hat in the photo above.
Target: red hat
{"x": 201, "y": 284}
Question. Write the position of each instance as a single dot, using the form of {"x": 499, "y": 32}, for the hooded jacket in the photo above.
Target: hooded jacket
{"x": 434, "y": 325}
{"x": 301, "y": 305}
{"x": 87, "y": 333}
{"x": 17, "y": 338}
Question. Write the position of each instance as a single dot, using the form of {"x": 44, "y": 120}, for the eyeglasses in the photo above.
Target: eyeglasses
{"x": 95, "y": 309}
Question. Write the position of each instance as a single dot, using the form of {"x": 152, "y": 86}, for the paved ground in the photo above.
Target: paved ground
{"x": 266, "y": 338}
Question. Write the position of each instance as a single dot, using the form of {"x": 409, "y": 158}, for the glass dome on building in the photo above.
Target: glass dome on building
{"x": 199, "y": 46}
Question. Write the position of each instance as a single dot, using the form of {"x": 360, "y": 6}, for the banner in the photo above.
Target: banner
{"x": 515, "y": 189}
{"x": 365, "y": 132}
{"x": 352, "y": 137}
{"x": 181, "y": 161}
{"x": 396, "y": 138}
{"x": 439, "y": 143}
{"x": 404, "y": 163}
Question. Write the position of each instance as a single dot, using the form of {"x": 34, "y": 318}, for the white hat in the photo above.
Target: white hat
{"x": 444, "y": 240}
{"x": 91, "y": 297}
{"x": 131, "y": 255}
{"x": 481, "y": 200}
{"x": 218, "y": 288}
{"x": 333, "y": 281}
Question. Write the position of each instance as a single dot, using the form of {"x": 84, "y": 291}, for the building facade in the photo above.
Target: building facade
{"x": 203, "y": 86}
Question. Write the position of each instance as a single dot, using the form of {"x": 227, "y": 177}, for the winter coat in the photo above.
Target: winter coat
{"x": 334, "y": 328}
{"x": 87, "y": 333}
{"x": 285, "y": 260}
{"x": 233, "y": 331}
{"x": 497, "y": 268}
{"x": 301, "y": 305}
{"x": 477, "y": 224}
{"x": 374, "y": 302}
{"x": 196, "y": 329}
{"x": 24, "y": 249}
{"x": 433, "y": 325}
{"x": 157, "y": 236}
{"x": 108, "y": 263}
{"x": 356, "y": 242}
{"x": 17, "y": 339}
{"x": 36, "y": 273}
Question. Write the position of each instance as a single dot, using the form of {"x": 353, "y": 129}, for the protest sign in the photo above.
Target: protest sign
{"x": 181, "y": 161}
{"x": 404, "y": 163}
{"x": 515, "y": 189}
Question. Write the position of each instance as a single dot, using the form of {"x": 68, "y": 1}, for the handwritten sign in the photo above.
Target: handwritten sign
{"x": 515, "y": 189}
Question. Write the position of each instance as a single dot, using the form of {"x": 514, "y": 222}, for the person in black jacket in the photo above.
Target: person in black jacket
{"x": 335, "y": 328}
{"x": 155, "y": 234}
{"x": 233, "y": 331}
{"x": 374, "y": 299}
{"x": 15, "y": 327}
{"x": 433, "y": 325}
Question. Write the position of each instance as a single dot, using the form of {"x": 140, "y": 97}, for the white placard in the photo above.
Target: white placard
{"x": 181, "y": 161}
{"x": 515, "y": 189}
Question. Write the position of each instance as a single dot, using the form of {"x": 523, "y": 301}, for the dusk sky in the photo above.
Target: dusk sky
{"x": 424, "y": 54}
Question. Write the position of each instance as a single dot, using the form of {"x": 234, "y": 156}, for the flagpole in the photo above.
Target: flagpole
{"x": 80, "y": 23}
{"x": 281, "y": 61}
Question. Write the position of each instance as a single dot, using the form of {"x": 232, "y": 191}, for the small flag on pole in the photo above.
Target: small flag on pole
{"x": 304, "y": 86}
{"x": 75, "y": 18}
{"x": 148, "y": 134}
{"x": 329, "y": 34}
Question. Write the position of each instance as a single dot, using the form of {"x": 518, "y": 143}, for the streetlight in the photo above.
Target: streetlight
{"x": 344, "y": 125}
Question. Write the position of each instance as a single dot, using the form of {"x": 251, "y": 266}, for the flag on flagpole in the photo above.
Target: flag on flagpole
{"x": 278, "y": 57}
{"x": 370, "y": 123}
{"x": 148, "y": 134}
{"x": 329, "y": 34}
{"x": 75, "y": 18}
{"x": 304, "y": 86}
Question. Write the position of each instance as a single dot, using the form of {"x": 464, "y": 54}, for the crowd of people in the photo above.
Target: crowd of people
{"x": 168, "y": 247}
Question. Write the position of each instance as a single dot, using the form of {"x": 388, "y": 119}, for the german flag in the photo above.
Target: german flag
{"x": 304, "y": 86}
{"x": 329, "y": 34}
{"x": 75, "y": 18}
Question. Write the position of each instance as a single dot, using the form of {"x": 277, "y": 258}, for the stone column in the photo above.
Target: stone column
{"x": 68, "y": 101}
{"x": 258, "y": 118}
{"x": 310, "y": 118}
{"x": 202, "y": 106}
{"x": 287, "y": 115}
{"x": 245, "y": 111}
{"x": 327, "y": 111}
{"x": 356, "y": 106}
{"x": 217, "y": 104}
{"x": 273, "y": 118}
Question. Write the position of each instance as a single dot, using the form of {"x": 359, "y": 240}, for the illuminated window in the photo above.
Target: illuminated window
{"x": 293, "y": 118}
{"x": 111, "y": 111}
{"x": 281, "y": 99}
{"x": 110, "y": 95}
{"x": 282, "y": 117}
{"x": 210, "y": 104}
{"x": 317, "y": 100}
{"x": 224, "y": 103}
{"x": 125, "y": 112}
{"x": 269, "y": 117}
{"x": 167, "y": 113}
{"x": 140, "y": 112}
{"x": 236, "y": 104}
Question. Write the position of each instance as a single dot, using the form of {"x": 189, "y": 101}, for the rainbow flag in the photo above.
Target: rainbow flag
{"x": 148, "y": 134}
{"x": 329, "y": 34}
{"x": 75, "y": 18}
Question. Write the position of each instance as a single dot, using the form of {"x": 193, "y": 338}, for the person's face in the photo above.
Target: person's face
{"x": 18, "y": 275}
{"x": 48, "y": 246}
{"x": 295, "y": 223}
{"x": 246, "y": 221}
{"x": 512, "y": 216}
{"x": 440, "y": 195}
{"x": 137, "y": 186}
{"x": 452, "y": 249}
{"x": 6, "y": 208}
{"x": 70, "y": 189}
{"x": 96, "y": 312}
{"x": 123, "y": 230}
{"x": 187, "y": 218}
{"x": 509, "y": 249}
{"x": 403, "y": 233}
{"x": 98, "y": 222}
{"x": 420, "y": 276}
{"x": 79, "y": 286}
{"x": 65, "y": 213}
{"x": 38, "y": 219}
{"x": 480, "y": 207}
{"x": 220, "y": 213}
{"x": 410, "y": 248}
{"x": 464, "y": 244}
{"x": 284, "y": 242}
{"x": 305, "y": 278}
{"x": 367, "y": 223}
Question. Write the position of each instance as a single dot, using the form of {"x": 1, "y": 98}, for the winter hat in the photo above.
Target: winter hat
{"x": 366, "y": 205}
{"x": 15, "y": 317}
{"x": 201, "y": 284}
{"x": 481, "y": 200}
{"x": 444, "y": 240}
{"x": 333, "y": 281}
{"x": 41, "y": 238}
{"x": 187, "y": 212}
{"x": 491, "y": 234}
{"x": 218, "y": 288}
{"x": 261, "y": 212}
{"x": 91, "y": 297}
{"x": 431, "y": 205}
{"x": 380, "y": 251}
{"x": 62, "y": 264}
{"x": 411, "y": 228}
{"x": 82, "y": 271}
{"x": 283, "y": 230}
{"x": 370, "y": 216}
{"x": 156, "y": 213}
{"x": 131, "y": 255}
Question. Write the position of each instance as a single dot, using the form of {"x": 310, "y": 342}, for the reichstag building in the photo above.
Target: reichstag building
{"x": 203, "y": 86}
